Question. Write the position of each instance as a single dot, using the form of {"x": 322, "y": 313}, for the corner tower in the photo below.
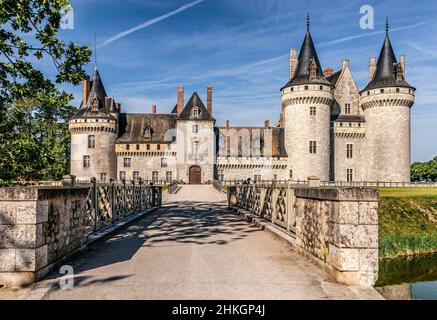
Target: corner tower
{"x": 94, "y": 133}
{"x": 307, "y": 100}
{"x": 386, "y": 102}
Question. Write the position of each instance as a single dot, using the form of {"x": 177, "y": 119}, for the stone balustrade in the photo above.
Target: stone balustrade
{"x": 336, "y": 227}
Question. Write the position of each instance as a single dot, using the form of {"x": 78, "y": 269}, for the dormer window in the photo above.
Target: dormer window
{"x": 196, "y": 112}
{"x": 148, "y": 132}
{"x": 95, "y": 105}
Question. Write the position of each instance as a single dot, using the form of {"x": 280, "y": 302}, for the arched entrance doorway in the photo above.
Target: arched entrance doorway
{"x": 195, "y": 175}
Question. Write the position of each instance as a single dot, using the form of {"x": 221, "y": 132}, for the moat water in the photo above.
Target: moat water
{"x": 409, "y": 278}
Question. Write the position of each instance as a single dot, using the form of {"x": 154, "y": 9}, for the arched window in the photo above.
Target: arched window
{"x": 148, "y": 132}
{"x": 196, "y": 112}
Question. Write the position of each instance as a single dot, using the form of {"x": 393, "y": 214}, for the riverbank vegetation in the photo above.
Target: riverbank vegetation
{"x": 407, "y": 221}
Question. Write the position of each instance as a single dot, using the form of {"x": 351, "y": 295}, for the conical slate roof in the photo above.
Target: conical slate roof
{"x": 195, "y": 102}
{"x": 307, "y": 58}
{"x": 387, "y": 68}
{"x": 104, "y": 103}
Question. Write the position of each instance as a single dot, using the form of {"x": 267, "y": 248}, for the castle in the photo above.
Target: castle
{"x": 328, "y": 128}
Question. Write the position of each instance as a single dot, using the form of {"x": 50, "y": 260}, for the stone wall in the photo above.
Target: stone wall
{"x": 38, "y": 227}
{"x": 339, "y": 227}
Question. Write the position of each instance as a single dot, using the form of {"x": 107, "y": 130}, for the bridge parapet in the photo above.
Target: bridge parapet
{"x": 336, "y": 227}
{"x": 41, "y": 226}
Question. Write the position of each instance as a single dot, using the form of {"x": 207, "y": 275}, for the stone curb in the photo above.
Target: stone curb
{"x": 40, "y": 290}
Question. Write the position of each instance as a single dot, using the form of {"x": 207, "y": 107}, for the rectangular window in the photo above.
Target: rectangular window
{"x": 221, "y": 175}
{"x": 350, "y": 175}
{"x": 158, "y": 147}
{"x": 313, "y": 111}
{"x": 122, "y": 175}
{"x": 91, "y": 142}
{"x": 136, "y": 176}
{"x": 127, "y": 162}
{"x": 169, "y": 176}
{"x": 164, "y": 163}
{"x": 138, "y": 147}
{"x": 155, "y": 175}
{"x": 86, "y": 161}
{"x": 347, "y": 108}
{"x": 275, "y": 177}
{"x": 196, "y": 129}
{"x": 127, "y": 147}
{"x": 291, "y": 174}
{"x": 306, "y": 87}
{"x": 313, "y": 147}
{"x": 103, "y": 177}
{"x": 349, "y": 151}
{"x": 148, "y": 147}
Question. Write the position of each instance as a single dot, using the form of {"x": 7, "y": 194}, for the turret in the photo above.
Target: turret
{"x": 94, "y": 132}
{"x": 386, "y": 102}
{"x": 307, "y": 100}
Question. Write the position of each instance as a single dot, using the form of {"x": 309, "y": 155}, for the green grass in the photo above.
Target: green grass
{"x": 407, "y": 221}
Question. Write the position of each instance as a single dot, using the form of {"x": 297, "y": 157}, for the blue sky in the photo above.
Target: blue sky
{"x": 241, "y": 47}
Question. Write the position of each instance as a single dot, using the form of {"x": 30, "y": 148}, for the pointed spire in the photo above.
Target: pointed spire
{"x": 97, "y": 90}
{"x": 308, "y": 21}
{"x": 387, "y": 26}
{"x": 386, "y": 68}
{"x": 308, "y": 61}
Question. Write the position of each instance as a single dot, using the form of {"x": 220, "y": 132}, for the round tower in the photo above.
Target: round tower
{"x": 94, "y": 133}
{"x": 386, "y": 102}
{"x": 307, "y": 100}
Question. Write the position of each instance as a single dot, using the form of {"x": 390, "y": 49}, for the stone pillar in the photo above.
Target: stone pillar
{"x": 338, "y": 227}
{"x": 38, "y": 227}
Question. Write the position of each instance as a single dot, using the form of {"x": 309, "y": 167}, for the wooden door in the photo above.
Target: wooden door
{"x": 195, "y": 175}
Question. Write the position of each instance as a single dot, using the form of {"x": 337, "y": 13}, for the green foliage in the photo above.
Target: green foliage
{"x": 407, "y": 224}
{"x": 34, "y": 140}
{"x": 407, "y": 244}
{"x": 426, "y": 171}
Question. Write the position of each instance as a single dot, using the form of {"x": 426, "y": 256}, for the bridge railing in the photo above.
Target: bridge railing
{"x": 108, "y": 203}
{"x": 335, "y": 226}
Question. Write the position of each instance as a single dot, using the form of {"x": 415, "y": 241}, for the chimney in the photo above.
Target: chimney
{"x": 345, "y": 63}
{"x": 372, "y": 68}
{"x": 402, "y": 62}
{"x": 154, "y": 108}
{"x": 293, "y": 62}
{"x": 85, "y": 92}
{"x": 209, "y": 99}
{"x": 267, "y": 124}
{"x": 328, "y": 72}
{"x": 118, "y": 106}
{"x": 227, "y": 123}
{"x": 180, "y": 99}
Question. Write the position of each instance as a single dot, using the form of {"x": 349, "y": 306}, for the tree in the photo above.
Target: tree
{"x": 426, "y": 171}
{"x": 34, "y": 141}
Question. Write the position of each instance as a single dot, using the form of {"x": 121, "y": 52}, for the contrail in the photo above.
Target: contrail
{"x": 368, "y": 34}
{"x": 150, "y": 22}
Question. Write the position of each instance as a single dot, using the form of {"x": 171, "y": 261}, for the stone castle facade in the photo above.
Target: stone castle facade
{"x": 328, "y": 129}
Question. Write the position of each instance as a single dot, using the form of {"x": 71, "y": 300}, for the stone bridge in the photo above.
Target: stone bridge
{"x": 195, "y": 247}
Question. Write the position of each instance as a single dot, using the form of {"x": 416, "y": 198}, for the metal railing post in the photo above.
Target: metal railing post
{"x": 95, "y": 203}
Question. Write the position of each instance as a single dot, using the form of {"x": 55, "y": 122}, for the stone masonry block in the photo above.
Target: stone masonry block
{"x": 7, "y": 260}
{"x": 25, "y": 260}
{"x": 42, "y": 211}
{"x": 345, "y": 213}
{"x": 369, "y": 259}
{"x": 8, "y": 212}
{"x": 26, "y": 212}
{"x": 18, "y": 236}
{"x": 368, "y": 212}
{"x": 355, "y": 236}
{"x": 344, "y": 259}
